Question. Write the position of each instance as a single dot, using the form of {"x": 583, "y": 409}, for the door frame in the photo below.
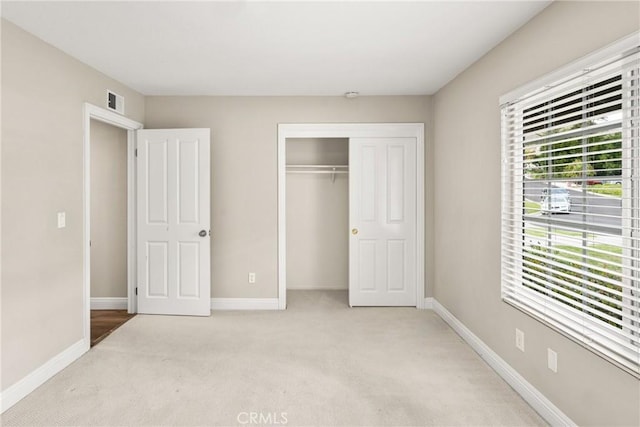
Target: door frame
{"x": 350, "y": 130}
{"x": 92, "y": 112}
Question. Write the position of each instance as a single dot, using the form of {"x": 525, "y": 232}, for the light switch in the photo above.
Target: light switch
{"x": 552, "y": 360}
{"x": 62, "y": 219}
{"x": 519, "y": 339}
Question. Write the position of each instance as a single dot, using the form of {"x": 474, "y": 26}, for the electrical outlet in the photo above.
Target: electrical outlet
{"x": 252, "y": 277}
{"x": 62, "y": 219}
{"x": 519, "y": 340}
{"x": 552, "y": 360}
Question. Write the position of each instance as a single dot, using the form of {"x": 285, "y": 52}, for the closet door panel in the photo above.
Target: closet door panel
{"x": 367, "y": 263}
{"x": 367, "y": 196}
{"x": 396, "y": 265}
{"x": 383, "y": 214}
{"x": 395, "y": 184}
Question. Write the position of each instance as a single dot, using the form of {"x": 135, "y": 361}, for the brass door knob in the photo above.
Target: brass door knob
{"x": 354, "y": 231}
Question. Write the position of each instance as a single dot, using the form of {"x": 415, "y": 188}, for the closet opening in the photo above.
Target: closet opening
{"x": 351, "y": 212}
{"x": 317, "y": 220}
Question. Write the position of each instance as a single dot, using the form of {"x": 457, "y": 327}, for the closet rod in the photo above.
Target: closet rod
{"x": 319, "y": 169}
{"x": 336, "y": 171}
{"x": 318, "y": 166}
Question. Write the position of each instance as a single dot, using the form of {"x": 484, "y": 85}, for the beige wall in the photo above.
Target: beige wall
{"x": 244, "y": 170}
{"x": 42, "y": 94}
{"x": 317, "y": 216}
{"x": 43, "y": 91}
{"x": 108, "y": 210}
{"x": 467, "y": 209}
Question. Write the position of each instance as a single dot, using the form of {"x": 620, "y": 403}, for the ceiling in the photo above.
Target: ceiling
{"x": 240, "y": 48}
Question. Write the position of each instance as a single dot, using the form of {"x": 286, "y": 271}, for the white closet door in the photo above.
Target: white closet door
{"x": 382, "y": 217}
{"x": 173, "y": 191}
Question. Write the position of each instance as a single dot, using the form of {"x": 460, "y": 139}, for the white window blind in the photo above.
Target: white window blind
{"x": 571, "y": 206}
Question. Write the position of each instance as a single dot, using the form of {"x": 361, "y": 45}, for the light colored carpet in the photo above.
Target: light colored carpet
{"x": 317, "y": 363}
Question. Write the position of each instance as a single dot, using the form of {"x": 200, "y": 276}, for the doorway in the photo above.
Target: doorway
{"x": 362, "y": 132}
{"x": 108, "y": 229}
{"x": 99, "y": 118}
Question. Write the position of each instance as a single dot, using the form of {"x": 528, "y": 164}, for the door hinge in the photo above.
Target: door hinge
{"x": 136, "y": 154}
{"x": 136, "y": 290}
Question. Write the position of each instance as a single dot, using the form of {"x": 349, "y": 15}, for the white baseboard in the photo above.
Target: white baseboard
{"x": 99, "y": 303}
{"x": 529, "y": 393}
{"x": 244, "y": 303}
{"x": 428, "y": 304}
{"x": 35, "y": 379}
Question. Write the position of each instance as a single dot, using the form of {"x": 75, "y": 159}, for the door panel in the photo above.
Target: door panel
{"x": 173, "y": 184}
{"x": 188, "y": 269}
{"x": 396, "y": 265}
{"x": 382, "y": 216}
{"x": 157, "y": 269}
{"x": 395, "y": 184}
{"x": 188, "y": 201}
{"x": 367, "y": 262}
{"x": 157, "y": 169}
{"x": 368, "y": 184}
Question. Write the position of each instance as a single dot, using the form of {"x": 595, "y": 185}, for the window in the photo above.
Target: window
{"x": 571, "y": 202}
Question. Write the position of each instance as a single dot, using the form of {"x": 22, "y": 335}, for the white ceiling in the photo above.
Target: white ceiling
{"x": 275, "y": 48}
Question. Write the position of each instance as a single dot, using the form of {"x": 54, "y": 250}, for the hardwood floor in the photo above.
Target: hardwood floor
{"x": 103, "y": 322}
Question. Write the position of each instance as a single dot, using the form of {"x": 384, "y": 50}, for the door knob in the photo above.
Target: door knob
{"x": 354, "y": 231}
{"x": 202, "y": 233}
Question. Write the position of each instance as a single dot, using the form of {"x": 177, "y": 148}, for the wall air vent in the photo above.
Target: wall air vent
{"x": 115, "y": 102}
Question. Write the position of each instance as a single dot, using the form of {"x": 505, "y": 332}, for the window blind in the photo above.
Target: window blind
{"x": 571, "y": 206}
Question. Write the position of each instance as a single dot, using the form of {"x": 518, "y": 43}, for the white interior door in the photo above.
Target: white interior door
{"x": 173, "y": 227}
{"x": 382, "y": 218}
